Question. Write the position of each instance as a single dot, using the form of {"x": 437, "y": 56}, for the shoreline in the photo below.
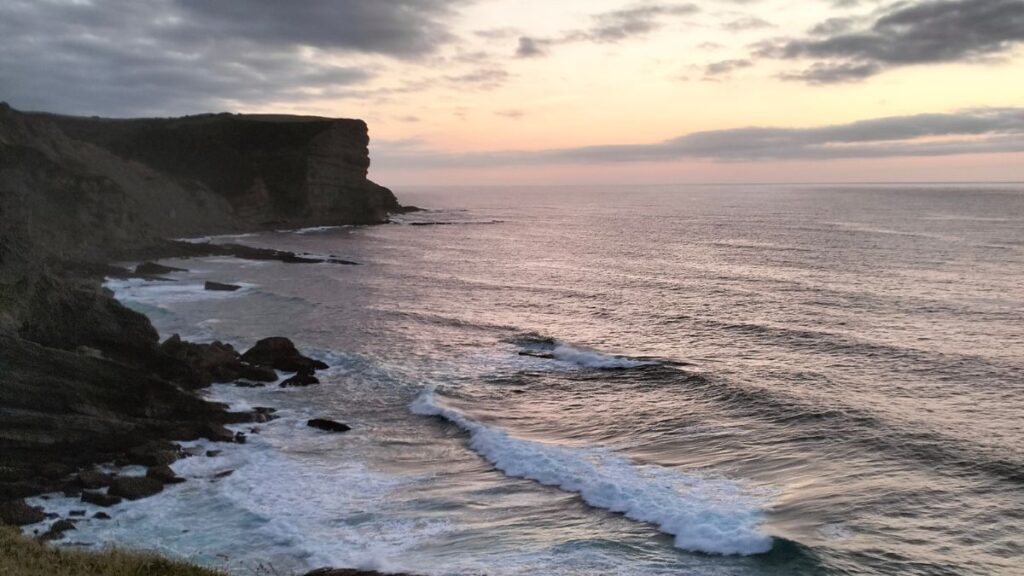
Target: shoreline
{"x": 86, "y": 381}
{"x": 97, "y": 480}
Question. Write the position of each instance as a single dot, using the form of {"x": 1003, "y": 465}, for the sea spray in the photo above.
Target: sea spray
{"x": 704, "y": 514}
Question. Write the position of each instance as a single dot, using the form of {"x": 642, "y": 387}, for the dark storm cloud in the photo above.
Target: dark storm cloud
{"x": 125, "y": 57}
{"x": 910, "y": 33}
{"x": 607, "y": 27}
{"x": 965, "y": 132}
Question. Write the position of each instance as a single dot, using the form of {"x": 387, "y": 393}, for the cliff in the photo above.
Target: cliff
{"x": 82, "y": 378}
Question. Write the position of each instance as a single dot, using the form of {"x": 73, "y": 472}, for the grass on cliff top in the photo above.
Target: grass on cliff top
{"x": 22, "y": 556}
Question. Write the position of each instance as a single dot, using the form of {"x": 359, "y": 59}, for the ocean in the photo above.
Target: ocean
{"x": 704, "y": 380}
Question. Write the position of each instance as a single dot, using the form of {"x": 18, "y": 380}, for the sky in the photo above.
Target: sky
{"x": 563, "y": 91}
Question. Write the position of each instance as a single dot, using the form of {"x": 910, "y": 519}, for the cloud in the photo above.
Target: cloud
{"x": 973, "y": 131}
{"x": 724, "y": 67}
{"x": 482, "y": 78}
{"x": 747, "y": 23}
{"x": 126, "y": 57}
{"x": 531, "y": 47}
{"x": 515, "y": 114}
{"x": 609, "y": 27}
{"x": 935, "y": 31}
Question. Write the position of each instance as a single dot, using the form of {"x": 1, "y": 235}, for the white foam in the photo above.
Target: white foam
{"x": 314, "y": 229}
{"x": 155, "y": 293}
{"x": 591, "y": 359}
{"x": 214, "y": 238}
{"x": 705, "y": 514}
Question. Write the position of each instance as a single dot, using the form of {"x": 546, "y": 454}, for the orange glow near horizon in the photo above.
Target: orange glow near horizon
{"x": 477, "y": 96}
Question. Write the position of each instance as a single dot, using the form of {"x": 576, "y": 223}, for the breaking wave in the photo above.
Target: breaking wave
{"x": 704, "y": 514}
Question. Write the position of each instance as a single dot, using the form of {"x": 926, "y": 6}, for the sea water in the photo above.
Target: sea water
{"x": 716, "y": 380}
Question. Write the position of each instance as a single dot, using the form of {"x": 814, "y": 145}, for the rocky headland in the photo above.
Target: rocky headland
{"x": 86, "y": 381}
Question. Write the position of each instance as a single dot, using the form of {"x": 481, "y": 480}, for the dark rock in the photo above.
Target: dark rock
{"x": 20, "y": 489}
{"x": 135, "y": 487}
{"x": 257, "y": 373}
{"x": 155, "y": 454}
{"x": 208, "y": 363}
{"x": 100, "y": 498}
{"x": 213, "y": 453}
{"x": 154, "y": 269}
{"x": 262, "y": 414}
{"x": 406, "y": 209}
{"x": 303, "y": 378}
{"x": 94, "y": 479}
{"x": 246, "y": 384}
{"x": 218, "y": 433}
{"x": 328, "y": 425}
{"x": 280, "y": 353}
{"x": 76, "y": 513}
{"x": 101, "y": 516}
{"x": 240, "y": 438}
{"x": 163, "y": 474}
{"x": 57, "y": 530}
{"x": 19, "y": 513}
{"x": 54, "y": 470}
{"x": 224, "y": 474}
{"x": 221, "y": 287}
{"x": 61, "y": 407}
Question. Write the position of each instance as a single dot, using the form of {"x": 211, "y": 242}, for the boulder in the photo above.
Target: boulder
{"x": 328, "y": 425}
{"x": 214, "y": 362}
{"x": 100, "y": 498}
{"x": 94, "y": 479}
{"x": 19, "y": 513}
{"x": 280, "y": 353}
{"x": 262, "y": 414}
{"x": 135, "y": 487}
{"x": 154, "y": 453}
{"x": 101, "y": 516}
{"x": 164, "y": 474}
{"x": 154, "y": 269}
{"x": 218, "y": 433}
{"x": 57, "y": 530}
{"x": 304, "y": 378}
{"x": 220, "y": 287}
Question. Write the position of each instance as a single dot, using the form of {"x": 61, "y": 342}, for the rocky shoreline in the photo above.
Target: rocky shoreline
{"x": 86, "y": 382}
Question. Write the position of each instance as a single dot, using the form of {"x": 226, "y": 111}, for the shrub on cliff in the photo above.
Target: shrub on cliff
{"x": 21, "y": 556}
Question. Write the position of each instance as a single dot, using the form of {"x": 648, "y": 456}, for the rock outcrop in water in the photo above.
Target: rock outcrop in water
{"x": 84, "y": 379}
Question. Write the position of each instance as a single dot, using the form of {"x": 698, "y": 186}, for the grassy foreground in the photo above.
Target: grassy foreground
{"x": 22, "y": 556}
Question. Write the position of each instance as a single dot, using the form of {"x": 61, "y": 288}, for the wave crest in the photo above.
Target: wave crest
{"x": 540, "y": 346}
{"x": 704, "y": 514}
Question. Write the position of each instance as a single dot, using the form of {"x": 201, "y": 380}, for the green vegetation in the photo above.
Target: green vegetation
{"x": 22, "y": 556}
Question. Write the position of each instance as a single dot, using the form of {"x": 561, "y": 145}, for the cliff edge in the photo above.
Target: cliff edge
{"x": 83, "y": 379}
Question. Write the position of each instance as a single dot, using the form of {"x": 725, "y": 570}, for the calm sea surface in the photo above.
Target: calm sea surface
{"x": 720, "y": 380}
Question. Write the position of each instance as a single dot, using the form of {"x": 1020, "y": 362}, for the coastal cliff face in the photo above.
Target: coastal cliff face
{"x": 270, "y": 170}
{"x": 82, "y": 378}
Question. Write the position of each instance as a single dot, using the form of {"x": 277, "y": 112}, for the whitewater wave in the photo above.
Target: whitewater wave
{"x": 704, "y": 514}
{"x": 143, "y": 291}
{"x": 550, "y": 348}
